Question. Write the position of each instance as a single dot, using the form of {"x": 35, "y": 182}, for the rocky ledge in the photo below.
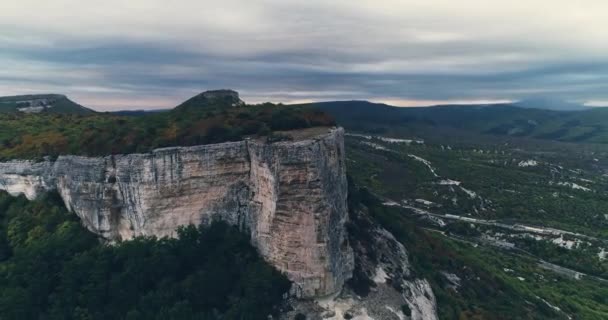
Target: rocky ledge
{"x": 290, "y": 196}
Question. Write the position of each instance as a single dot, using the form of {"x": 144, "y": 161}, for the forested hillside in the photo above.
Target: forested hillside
{"x": 478, "y": 282}
{"x": 502, "y": 228}
{"x": 199, "y": 121}
{"x": 508, "y": 120}
{"x": 53, "y": 268}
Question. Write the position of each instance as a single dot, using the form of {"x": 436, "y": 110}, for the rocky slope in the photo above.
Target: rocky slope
{"x": 42, "y": 103}
{"x": 383, "y": 285}
{"x": 290, "y": 196}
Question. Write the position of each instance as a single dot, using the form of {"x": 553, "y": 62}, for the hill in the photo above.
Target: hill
{"x": 589, "y": 125}
{"x": 549, "y": 104}
{"x": 42, "y": 103}
{"x": 213, "y": 98}
{"x": 52, "y": 267}
{"x": 211, "y": 117}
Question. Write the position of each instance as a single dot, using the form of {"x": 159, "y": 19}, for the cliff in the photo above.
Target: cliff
{"x": 383, "y": 286}
{"x": 290, "y": 196}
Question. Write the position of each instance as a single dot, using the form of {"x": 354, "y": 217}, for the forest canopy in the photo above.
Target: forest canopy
{"x": 53, "y": 268}
{"x": 33, "y": 136}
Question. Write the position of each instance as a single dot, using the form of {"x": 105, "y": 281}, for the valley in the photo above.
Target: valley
{"x": 534, "y": 216}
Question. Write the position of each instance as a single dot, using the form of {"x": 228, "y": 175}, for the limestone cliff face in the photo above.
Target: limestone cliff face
{"x": 384, "y": 285}
{"x": 291, "y": 197}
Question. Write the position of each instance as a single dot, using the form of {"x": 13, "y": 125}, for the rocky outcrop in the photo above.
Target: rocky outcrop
{"x": 290, "y": 196}
{"x": 383, "y": 285}
{"x": 213, "y": 98}
{"x": 227, "y": 96}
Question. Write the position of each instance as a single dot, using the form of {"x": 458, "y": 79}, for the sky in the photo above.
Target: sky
{"x": 148, "y": 54}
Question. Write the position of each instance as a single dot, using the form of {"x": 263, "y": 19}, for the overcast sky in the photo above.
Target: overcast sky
{"x": 133, "y": 54}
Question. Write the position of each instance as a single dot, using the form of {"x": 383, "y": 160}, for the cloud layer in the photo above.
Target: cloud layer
{"x": 118, "y": 54}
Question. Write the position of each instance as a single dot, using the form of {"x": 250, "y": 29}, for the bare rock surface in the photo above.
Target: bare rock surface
{"x": 291, "y": 197}
{"x": 383, "y": 286}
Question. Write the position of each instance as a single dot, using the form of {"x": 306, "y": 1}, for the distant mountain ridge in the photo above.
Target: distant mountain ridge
{"x": 540, "y": 118}
{"x": 549, "y": 104}
{"x": 42, "y": 103}
{"x": 586, "y": 125}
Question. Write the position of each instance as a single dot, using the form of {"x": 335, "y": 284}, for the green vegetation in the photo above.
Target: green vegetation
{"x": 493, "y": 284}
{"x": 475, "y": 163}
{"x": 501, "y": 120}
{"x": 37, "y": 135}
{"x": 583, "y": 258}
{"x": 562, "y": 188}
{"x": 52, "y": 268}
{"x": 509, "y": 181}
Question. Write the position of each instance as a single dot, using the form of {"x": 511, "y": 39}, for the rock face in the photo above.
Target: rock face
{"x": 290, "y": 196}
{"x": 223, "y": 95}
{"x": 383, "y": 285}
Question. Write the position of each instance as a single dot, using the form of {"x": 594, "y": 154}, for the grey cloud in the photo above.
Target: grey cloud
{"x": 271, "y": 50}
